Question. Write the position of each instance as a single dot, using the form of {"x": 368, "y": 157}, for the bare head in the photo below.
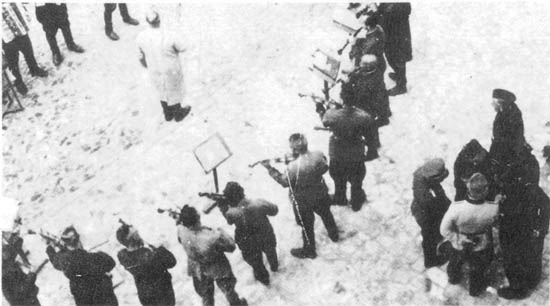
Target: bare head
{"x": 298, "y": 144}
{"x": 71, "y": 238}
{"x": 234, "y": 193}
{"x": 128, "y": 236}
{"x": 153, "y": 18}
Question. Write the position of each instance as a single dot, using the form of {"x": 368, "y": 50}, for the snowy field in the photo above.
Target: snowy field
{"x": 91, "y": 146}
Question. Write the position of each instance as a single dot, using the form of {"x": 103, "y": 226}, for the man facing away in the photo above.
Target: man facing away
{"x": 206, "y": 260}
{"x": 149, "y": 266}
{"x": 253, "y": 232}
{"x": 87, "y": 272}
{"x": 307, "y": 191}
{"x": 159, "y": 53}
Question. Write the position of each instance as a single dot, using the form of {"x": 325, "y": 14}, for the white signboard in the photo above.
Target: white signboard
{"x": 212, "y": 152}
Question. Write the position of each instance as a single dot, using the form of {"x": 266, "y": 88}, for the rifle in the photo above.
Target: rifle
{"x": 212, "y": 196}
{"x": 49, "y": 238}
{"x": 286, "y": 159}
{"x": 320, "y": 100}
{"x": 128, "y": 225}
{"x": 41, "y": 266}
{"x": 347, "y": 41}
{"x": 172, "y": 213}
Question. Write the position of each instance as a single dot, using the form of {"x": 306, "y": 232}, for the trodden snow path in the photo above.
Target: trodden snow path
{"x": 92, "y": 147}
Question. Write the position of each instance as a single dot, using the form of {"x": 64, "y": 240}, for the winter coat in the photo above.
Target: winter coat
{"x": 465, "y": 167}
{"x": 306, "y": 177}
{"x": 349, "y": 125}
{"x": 150, "y": 271}
{"x": 370, "y": 93}
{"x": 18, "y": 288}
{"x": 161, "y": 50}
{"x": 469, "y": 221}
{"x": 252, "y": 226}
{"x": 205, "y": 249}
{"x": 429, "y": 199}
{"x": 87, "y": 273}
{"x": 394, "y": 19}
{"x": 507, "y": 133}
{"x": 373, "y": 43}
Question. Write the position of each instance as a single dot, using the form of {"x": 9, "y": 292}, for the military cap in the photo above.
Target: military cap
{"x": 503, "y": 94}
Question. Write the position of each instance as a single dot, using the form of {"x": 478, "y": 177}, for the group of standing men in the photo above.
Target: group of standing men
{"x": 500, "y": 188}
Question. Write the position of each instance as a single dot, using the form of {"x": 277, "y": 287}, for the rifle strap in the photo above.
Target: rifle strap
{"x": 294, "y": 202}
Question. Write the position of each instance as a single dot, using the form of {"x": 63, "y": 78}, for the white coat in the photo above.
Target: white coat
{"x": 161, "y": 50}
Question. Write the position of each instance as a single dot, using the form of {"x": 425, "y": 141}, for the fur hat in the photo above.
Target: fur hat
{"x": 504, "y": 95}
{"x": 70, "y": 236}
{"x": 478, "y": 187}
{"x": 233, "y": 192}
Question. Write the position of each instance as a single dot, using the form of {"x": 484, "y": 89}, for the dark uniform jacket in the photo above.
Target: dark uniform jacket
{"x": 349, "y": 125}
{"x": 306, "y": 177}
{"x": 149, "y": 268}
{"x": 252, "y": 226}
{"x": 394, "y": 18}
{"x": 430, "y": 201}
{"x": 373, "y": 43}
{"x": 370, "y": 93}
{"x": 19, "y": 288}
{"x": 465, "y": 167}
{"x": 205, "y": 249}
{"x": 87, "y": 273}
{"x": 507, "y": 133}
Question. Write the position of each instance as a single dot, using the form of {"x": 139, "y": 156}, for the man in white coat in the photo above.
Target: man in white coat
{"x": 159, "y": 53}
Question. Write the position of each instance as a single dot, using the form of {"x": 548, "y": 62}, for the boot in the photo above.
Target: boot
{"x": 75, "y": 48}
{"x": 333, "y": 235}
{"x": 397, "y": 90}
{"x": 111, "y": 34}
{"x": 131, "y": 21}
{"x": 303, "y": 253}
{"x": 167, "y": 110}
{"x": 21, "y": 87}
{"x": 39, "y": 72}
{"x": 510, "y": 293}
{"x": 57, "y": 59}
{"x": 182, "y": 112}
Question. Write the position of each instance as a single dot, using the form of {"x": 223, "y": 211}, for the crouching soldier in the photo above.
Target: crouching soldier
{"x": 429, "y": 206}
{"x": 149, "y": 266}
{"x": 468, "y": 226}
{"x": 253, "y": 231}
{"x": 87, "y": 272}
{"x": 206, "y": 261}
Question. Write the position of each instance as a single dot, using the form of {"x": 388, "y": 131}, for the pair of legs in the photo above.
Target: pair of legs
{"x": 305, "y": 217}
{"x": 343, "y": 172}
{"x": 253, "y": 256}
{"x": 479, "y": 263}
{"x": 175, "y": 112}
{"x": 204, "y": 286}
{"x": 399, "y": 67}
{"x": 54, "y": 17}
{"x": 430, "y": 238}
{"x": 108, "y": 17}
{"x": 522, "y": 256}
{"x": 11, "y": 50}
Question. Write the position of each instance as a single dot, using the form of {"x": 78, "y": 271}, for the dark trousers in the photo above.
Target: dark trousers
{"x": 108, "y": 14}
{"x": 11, "y": 50}
{"x": 522, "y": 257}
{"x": 343, "y": 172}
{"x": 479, "y": 263}
{"x": 253, "y": 256}
{"x": 205, "y": 288}
{"x": 400, "y": 68}
{"x": 54, "y": 17}
{"x": 306, "y": 209}
{"x": 430, "y": 238}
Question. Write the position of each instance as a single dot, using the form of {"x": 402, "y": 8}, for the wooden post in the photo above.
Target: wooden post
{"x": 215, "y": 173}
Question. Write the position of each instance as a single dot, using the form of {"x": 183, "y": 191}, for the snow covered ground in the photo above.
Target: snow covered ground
{"x": 92, "y": 147}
